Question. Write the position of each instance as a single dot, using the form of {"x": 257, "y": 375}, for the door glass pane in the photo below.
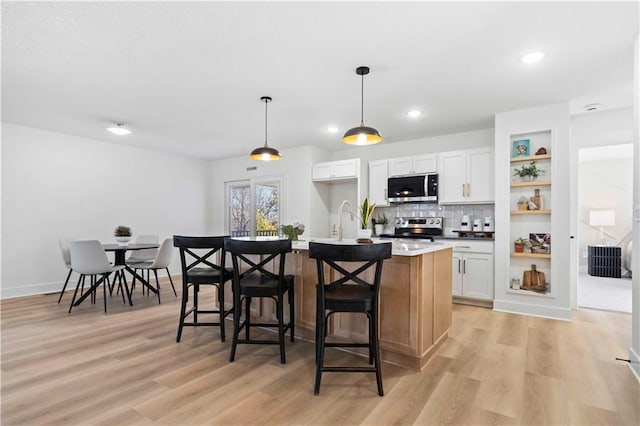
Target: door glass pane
{"x": 267, "y": 208}
{"x": 239, "y": 210}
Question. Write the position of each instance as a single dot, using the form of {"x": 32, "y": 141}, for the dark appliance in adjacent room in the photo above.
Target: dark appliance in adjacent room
{"x": 413, "y": 189}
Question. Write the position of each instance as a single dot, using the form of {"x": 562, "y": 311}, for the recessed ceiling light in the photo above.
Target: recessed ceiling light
{"x": 332, "y": 129}
{"x": 118, "y": 129}
{"x": 532, "y": 57}
{"x": 414, "y": 113}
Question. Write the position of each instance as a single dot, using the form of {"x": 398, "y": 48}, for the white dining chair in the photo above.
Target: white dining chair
{"x": 66, "y": 258}
{"x": 145, "y": 255}
{"x": 161, "y": 261}
{"x": 88, "y": 258}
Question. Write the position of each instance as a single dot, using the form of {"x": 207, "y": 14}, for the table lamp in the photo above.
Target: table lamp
{"x": 602, "y": 218}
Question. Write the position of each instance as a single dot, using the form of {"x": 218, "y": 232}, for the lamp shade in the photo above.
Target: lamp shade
{"x": 362, "y": 135}
{"x": 602, "y": 218}
{"x": 265, "y": 153}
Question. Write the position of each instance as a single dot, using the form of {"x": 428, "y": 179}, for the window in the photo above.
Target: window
{"x": 253, "y": 208}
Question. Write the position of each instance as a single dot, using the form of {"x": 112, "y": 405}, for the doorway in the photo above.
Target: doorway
{"x": 605, "y": 199}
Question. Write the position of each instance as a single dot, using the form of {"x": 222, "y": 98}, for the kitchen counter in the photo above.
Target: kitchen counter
{"x": 400, "y": 247}
{"x": 415, "y": 300}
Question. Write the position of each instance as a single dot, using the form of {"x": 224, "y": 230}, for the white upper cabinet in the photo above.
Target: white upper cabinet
{"x": 480, "y": 173}
{"x": 336, "y": 170}
{"x": 466, "y": 176}
{"x": 416, "y": 165}
{"x": 378, "y": 176}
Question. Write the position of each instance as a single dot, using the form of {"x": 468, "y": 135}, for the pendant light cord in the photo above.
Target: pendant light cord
{"x": 265, "y": 121}
{"x": 362, "y": 100}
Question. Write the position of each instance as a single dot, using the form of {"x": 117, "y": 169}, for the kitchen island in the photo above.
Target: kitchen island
{"x": 415, "y": 300}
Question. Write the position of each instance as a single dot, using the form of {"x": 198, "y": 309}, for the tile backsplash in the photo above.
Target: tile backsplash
{"x": 452, "y": 214}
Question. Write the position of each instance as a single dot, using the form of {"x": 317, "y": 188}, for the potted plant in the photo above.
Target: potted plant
{"x": 365, "y": 211}
{"x": 380, "y": 222}
{"x": 292, "y": 231}
{"x": 122, "y": 235}
{"x": 519, "y": 244}
{"x": 528, "y": 171}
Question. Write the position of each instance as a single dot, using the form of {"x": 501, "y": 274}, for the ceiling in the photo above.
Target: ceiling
{"x": 187, "y": 77}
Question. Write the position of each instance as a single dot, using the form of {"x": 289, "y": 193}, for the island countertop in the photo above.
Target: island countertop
{"x": 398, "y": 248}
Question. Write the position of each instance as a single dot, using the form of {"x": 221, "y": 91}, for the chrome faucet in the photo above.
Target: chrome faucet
{"x": 340, "y": 230}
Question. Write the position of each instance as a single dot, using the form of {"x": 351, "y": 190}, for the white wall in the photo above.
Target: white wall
{"x": 300, "y": 196}
{"x": 634, "y": 350}
{"x": 56, "y": 185}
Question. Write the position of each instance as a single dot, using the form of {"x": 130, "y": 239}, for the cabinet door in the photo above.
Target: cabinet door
{"x": 378, "y": 175}
{"x": 456, "y": 274}
{"x": 345, "y": 169}
{"x": 480, "y": 175}
{"x": 322, "y": 171}
{"x": 423, "y": 164}
{"x": 478, "y": 276}
{"x": 400, "y": 166}
{"x": 452, "y": 178}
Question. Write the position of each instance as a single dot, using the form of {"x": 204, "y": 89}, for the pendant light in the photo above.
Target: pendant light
{"x": 265, "y": 153}
{"x": 362, "y": 135}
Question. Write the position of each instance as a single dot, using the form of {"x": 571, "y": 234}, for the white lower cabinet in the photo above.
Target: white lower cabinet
{"x": 472, "y": 267}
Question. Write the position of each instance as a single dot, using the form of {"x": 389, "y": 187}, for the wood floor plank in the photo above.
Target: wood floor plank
{"x": 125, "y": 368}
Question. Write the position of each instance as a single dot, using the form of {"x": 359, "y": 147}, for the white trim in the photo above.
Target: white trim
{"x": 56, "y": 286}
{"x": 33, "y": 289}
{"x": 634, "y": 365}
{"x": 550, "y": 312}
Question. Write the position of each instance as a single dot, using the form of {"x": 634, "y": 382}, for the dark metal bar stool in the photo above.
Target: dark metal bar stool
{"x": 256, "y": 280}
{"x": 349, "y": 292}
{"x": 200, "y": 269}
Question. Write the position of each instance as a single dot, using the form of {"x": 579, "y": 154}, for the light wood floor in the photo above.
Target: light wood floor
{"x": 126, "y": 368}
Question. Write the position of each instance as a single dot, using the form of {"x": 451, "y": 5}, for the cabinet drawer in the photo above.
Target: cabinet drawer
{"x": 473, "y": 246}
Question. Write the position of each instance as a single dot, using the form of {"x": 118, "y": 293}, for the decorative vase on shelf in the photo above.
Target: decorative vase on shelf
{"x": 122, "y": 241}
{"x": 364, "y": 233}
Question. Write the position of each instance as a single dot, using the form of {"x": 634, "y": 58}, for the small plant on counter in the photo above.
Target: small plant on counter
{"x": 380, "y": 219}
{"x": 122, "y": 231}
{"x": 292, "y": 231}
{"x": 530, "y": 170}
{"x": 365, "y": 211}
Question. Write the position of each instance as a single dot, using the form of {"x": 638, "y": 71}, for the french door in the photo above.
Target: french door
{"x": 254, "y": 207}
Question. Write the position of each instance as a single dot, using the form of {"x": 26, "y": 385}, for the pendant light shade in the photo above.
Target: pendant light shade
{"x": 265, "y": 153}
{"x": 362, "y": 135}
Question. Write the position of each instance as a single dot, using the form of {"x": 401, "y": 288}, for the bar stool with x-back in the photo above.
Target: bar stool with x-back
{"x": 198, "y": 269}
{"x": 348, "y": 292}
{"x": 252, "y": 278}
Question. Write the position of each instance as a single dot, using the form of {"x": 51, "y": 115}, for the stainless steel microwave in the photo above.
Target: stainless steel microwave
{"x": 413, "y": 189}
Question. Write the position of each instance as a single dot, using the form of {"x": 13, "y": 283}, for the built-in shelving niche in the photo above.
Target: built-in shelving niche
{"x": 526, "y": 222}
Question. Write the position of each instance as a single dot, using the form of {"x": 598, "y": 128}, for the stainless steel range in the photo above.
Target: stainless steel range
{"x": 417, "y": 227}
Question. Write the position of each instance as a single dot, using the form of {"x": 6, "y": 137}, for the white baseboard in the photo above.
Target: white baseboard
{"x": 634, "y": 365}
{"x": 564, "y": 314}
{"x": 55, "y": 287}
